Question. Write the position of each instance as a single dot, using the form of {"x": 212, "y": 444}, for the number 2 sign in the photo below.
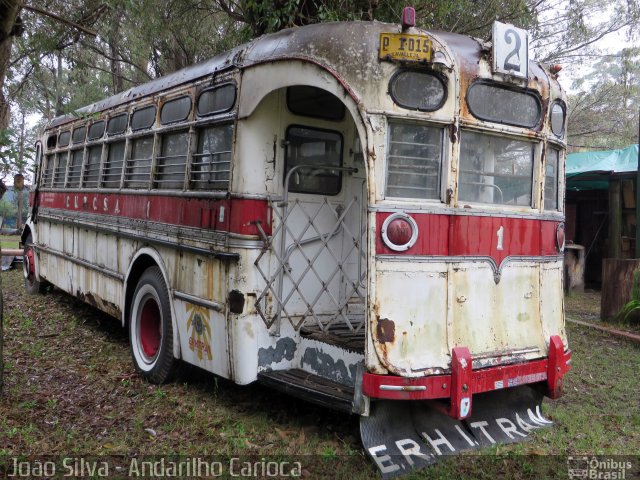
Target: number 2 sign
{"x": 510, "y": 50}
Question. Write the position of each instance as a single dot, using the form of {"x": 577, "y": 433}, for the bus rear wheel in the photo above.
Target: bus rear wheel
{"x": 32, "y": 285}
{"x": 150, "y": 329}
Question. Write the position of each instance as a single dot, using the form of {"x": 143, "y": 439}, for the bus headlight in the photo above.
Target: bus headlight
{"x": 399, "y": 232}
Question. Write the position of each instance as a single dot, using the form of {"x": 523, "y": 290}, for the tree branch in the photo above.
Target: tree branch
{"x": 82, "y": 28}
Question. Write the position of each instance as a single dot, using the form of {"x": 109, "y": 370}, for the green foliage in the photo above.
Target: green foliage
{"x": 14, "y": 155}
{"x": 603, "y": 113}
{"x": 7, "y": 209}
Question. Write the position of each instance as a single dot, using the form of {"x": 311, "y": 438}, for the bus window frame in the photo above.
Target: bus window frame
{"x": 445, "y": 159}
{"x": 137, "y": 108}
{"x": 560, "y": 180}
{"x": 504, "y": 86}
{"x": 60, "y": 153}
{"x": 129, "y": 150}
{"x": 286, "y": 160}
{"x": 167, "y": 100}
{"x": 562, "y": 105}
{"x": 89, "y": 146}
{"x": 209, "y": 88}
{"x": 106, "y": 151}
{"x": 89, "y": 138}
{"x": 158, "y": 154}
{"x": 537, "y": 144}
{"x": 126, "y": 126}
{"x": 438, "y": 75}
{"x": 227, "y": 120}
{"x": 68, "y": 140}
{"x": 75, "y": 143}
{"x": 326, "y": 118}
{"x": 71, "y": 152}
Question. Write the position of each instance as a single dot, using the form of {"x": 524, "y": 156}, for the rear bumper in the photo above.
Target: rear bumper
{"x": 463, "y": 381}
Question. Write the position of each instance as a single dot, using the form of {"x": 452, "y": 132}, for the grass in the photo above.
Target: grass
{"x": 70, "y": 389}
{"x": 9, "y": 241}
{"x": 585, "y": 306}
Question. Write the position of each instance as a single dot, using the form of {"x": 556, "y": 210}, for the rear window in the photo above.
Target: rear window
{"x": 499, "y": 104}
{"x": 495, "y": 170}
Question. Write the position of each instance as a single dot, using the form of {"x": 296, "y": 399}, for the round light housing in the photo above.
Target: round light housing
{"x": 399, "y": 232}
{"x": 560, "y": 237}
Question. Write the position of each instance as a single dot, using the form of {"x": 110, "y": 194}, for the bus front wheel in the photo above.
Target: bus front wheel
{"x": 150, "y": 329}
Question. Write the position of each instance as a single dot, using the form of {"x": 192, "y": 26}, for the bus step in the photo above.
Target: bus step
{"x": 310, "y": 387}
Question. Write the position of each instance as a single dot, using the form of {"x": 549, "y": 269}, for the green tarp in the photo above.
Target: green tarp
{"x": 591, "y": 170}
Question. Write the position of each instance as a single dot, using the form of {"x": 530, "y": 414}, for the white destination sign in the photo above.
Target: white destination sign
{"x": 510, "y": 50}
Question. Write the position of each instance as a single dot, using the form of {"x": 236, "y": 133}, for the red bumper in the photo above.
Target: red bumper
{"x": 464, "y": 381}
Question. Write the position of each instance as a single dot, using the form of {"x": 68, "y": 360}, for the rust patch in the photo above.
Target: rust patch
{"x": 100, "y": 303}
{"x": 386, "y": 330}
{"x": 453, "y": 133}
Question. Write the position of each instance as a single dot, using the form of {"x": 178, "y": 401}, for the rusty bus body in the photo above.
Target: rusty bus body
{"x": 241, "y": 214}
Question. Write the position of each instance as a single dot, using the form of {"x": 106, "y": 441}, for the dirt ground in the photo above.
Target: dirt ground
{"x": 71, "y": 390}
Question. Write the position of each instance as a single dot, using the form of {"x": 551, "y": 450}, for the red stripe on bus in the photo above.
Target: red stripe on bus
{"x": 462, "y": 235}
{"x": 238, "y": 215}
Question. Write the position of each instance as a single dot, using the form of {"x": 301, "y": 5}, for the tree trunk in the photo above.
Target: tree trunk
{"x": 59, "y": 89}
{"x": 114, "y": 47}
{"x": 9, "y": 10}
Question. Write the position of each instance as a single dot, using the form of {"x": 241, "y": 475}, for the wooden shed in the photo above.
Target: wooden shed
{"x": 601, "y": 216}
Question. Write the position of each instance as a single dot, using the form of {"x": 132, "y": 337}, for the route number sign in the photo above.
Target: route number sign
{"x": 510, "y": 50}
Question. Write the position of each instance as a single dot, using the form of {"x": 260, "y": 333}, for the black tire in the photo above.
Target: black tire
{"x": 32, "y": 285}
{"x": 150, "y": 328}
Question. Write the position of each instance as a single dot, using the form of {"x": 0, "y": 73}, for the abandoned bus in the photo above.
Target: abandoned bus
{"x": 366, "y": 215}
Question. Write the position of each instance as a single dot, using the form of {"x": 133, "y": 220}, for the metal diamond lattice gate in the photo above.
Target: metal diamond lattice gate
{"x": 314, "y": 265}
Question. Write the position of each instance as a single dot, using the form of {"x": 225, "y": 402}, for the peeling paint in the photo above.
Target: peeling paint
{"x": 284, "y": 350}
{"x": 325, "y": 366}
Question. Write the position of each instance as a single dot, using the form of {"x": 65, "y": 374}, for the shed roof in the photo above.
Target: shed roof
{"x": 592, "y": 170}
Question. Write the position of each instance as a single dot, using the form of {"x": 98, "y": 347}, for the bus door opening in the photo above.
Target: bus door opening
{"x": 320, "y": 224}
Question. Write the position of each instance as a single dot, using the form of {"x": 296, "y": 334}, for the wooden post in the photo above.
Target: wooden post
{"x": 615, "y": 220}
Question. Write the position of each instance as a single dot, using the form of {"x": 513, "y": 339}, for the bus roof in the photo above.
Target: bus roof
{"x": 339, "y": 46}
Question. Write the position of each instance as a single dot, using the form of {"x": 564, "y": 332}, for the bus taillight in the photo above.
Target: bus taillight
{"x": 560, "y": 237}
{"x": 399, "y": 232}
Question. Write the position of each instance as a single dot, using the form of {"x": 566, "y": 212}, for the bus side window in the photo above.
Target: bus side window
{"x": 92, "y": 168}
{"x": 212, "y": 161}
{"x": 551, "y": 179}
{"x": 48, "y": 170}
{"x": 138, "y": 167}
{"x": 75, "y": 168}
{"x": 172, "y": 162}
{"x": 60, "y": 170}
{"x": 113, "y": 165}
